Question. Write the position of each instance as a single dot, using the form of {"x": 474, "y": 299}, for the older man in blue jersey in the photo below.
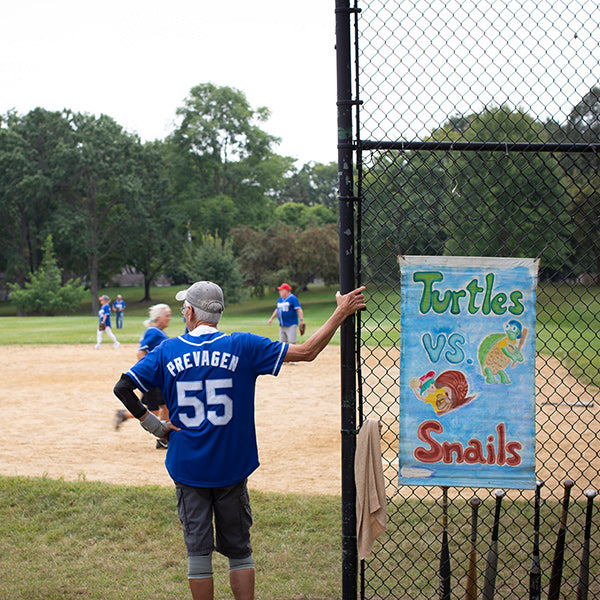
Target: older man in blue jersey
{"x": 207, "y": 379}
{"x": 289, "y": 312}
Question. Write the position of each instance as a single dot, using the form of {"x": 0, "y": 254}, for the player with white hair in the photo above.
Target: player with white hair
{"x": 154, "y": 335}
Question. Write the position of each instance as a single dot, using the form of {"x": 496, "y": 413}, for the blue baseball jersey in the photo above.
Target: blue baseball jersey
{"x": 153, "y": 336}
{"x": 119, "y": 305}
{"x": 104, "y": 310}
{"x": 287, "y": 310}
{"x": 208, "y": 383}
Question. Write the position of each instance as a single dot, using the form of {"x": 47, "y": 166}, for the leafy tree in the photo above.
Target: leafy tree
{"x": 469, "y": 203}
{"x": 249, "y": 246}
{"x": 404, "y": 211}
{"x": 151, "y": 242}
{"x": 317, "y": 255}
{"x": 582, "y": 126}
{"x": 581, "y": 179}
{"x": 214, "y": 215}
{"x": 281, "y": 252}
{"x": 220, "y": 153}
{"x": 314, "y": 184}
{"x": 301, "y": 215}
{"x": 33, "y": 175}
{"x": 45, "y": 293}
{"x": 91, "y": 222}
{"x": 510, "y": 204}
{"x": 213, "y": 260}
{"x": 585, "y": 210}
{"x": 91, "y": 185}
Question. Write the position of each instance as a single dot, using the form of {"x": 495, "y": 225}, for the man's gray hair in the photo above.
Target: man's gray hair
{"x": 206, "y": 298}
{"x": 208, "y": 317}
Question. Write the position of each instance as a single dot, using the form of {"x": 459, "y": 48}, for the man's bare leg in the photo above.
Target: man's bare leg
{"x": 202, "y": 589}
{"x": 242, "y": 584}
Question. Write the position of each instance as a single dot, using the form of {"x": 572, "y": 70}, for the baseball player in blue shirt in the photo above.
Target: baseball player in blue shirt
{"x": 104, "y": 323}
{"x": 119, "y": 308}
{"x": 289, "y": 312}
{"x": 154, "y": 335}
{"x": 208, "y": 380}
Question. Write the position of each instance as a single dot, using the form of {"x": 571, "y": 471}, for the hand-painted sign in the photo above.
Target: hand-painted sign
{"x": 467, "y": 372}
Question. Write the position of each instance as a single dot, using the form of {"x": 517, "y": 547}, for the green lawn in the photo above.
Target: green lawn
{"x": 66, "y": 540}
{"x": 568, "y": 321}
{"x": 252, "y": 315}
{"x": 567, "y": 327}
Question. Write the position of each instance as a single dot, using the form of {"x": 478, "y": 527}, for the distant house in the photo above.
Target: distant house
{"x": 129, "y": 277}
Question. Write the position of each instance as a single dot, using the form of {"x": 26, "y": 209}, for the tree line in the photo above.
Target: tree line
{"x": 215, "y": 201}
{"x": 486, "y": 203}
{"x": 212, "y": 200}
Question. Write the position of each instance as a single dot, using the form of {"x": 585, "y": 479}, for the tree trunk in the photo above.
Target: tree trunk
{"x": 94, "y": 287}
{"x": 147, "y": 282}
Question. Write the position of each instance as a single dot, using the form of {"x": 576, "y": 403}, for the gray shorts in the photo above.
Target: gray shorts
{"x": 230, "y": 507}
{"x": 288, "y": 334}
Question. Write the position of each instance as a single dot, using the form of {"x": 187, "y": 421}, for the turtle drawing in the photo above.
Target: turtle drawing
{"x": 498, "y": 351}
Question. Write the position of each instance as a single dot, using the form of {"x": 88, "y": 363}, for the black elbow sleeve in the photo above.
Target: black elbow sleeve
{"x": 123, "y": 390}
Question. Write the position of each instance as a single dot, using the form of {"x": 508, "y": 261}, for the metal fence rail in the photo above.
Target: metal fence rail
{"x": 472, "y": 129}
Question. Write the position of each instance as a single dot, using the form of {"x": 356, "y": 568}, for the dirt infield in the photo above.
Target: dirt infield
{"x": 59, "y": 406}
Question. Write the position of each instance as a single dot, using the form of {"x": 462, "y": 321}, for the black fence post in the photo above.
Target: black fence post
{"x": 347, "y": 281}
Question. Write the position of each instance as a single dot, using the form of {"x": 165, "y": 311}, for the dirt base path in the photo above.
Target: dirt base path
{"x": 59, "y": 406}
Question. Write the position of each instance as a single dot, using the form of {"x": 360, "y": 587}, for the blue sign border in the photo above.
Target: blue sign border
{"x": 467, "y": 372}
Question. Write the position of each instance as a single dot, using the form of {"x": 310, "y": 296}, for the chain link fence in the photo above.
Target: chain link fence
{"x": 475, "y": 129}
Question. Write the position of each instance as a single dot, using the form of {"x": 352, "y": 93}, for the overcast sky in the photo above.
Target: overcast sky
{"x": 137, "y": 60}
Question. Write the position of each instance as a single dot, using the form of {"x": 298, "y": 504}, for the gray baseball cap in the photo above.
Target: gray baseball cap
{"x": 204, "y": 295}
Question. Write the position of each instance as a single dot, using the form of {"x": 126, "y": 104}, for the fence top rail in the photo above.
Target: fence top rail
{"x": 366, "y": 145}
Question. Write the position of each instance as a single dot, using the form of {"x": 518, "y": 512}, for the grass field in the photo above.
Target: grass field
{"x": 80, "y": 328}
{"x": 67, "y": 540}
{"x": 567, "y": 326}
{"x": 568, "y": 322}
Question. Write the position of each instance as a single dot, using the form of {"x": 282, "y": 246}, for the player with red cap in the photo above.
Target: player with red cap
{"x": 289, "y": 313}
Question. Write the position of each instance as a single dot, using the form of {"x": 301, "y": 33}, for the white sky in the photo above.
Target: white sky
{"x": 137, "y": 60}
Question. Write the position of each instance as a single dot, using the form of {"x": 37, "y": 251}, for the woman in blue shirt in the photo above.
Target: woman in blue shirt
{"x": 154, "y": 336}
{"x": 104, "y": 323}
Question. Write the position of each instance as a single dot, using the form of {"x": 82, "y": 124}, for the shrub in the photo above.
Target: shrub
{"x": 45, "y": 294}
{"x": 213, "y": 260}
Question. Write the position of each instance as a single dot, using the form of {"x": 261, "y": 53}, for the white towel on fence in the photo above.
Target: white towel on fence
{"x": 371, "y": 511}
